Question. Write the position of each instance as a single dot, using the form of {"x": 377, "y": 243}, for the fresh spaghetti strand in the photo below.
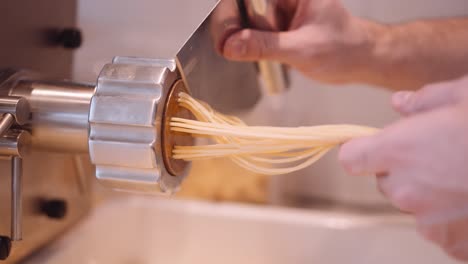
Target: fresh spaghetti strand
{"x": 260, "y": 149}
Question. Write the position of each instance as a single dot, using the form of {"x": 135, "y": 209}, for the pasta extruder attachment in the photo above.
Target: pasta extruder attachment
{"x": 120, "y": 122}
{"x": 129, "y": 138}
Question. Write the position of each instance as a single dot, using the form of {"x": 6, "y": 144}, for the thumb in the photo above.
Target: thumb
{"x": 364, "y": 156}
{"x": 254, "y": 45}
{"x": 428, "y": 98}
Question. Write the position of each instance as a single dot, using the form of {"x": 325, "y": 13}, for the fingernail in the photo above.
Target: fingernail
{"x": 235, "y": 48}
{"x": 356, "y": 159}
{"x": 402, "y": 98}
{"x": 347, "y": 159}
{"x": 403, "y": 102}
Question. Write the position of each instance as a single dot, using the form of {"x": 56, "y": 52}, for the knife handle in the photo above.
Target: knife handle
{"x": 274, "y": 74}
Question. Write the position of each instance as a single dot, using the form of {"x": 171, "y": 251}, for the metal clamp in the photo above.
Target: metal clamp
{"x": 13, "y": 144}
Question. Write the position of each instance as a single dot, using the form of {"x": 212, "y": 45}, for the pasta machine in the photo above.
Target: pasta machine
{"x": 55, "y": 134}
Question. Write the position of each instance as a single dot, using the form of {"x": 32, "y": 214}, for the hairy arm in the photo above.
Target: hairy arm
{"x": 327, "y": 43}
{"x": 410, "y": 55}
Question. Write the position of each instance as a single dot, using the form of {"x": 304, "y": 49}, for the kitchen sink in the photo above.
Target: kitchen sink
{"x": 140, "y": 229}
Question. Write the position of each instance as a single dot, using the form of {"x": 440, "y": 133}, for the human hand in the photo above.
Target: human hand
{"x": 422, "y": 161}
{"x": 320, "y": 39}
{"x": 430, "y": 97}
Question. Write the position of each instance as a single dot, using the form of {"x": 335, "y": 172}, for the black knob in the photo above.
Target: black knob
{"x": 5, "y": 247}
{"x": 55, "y": 208}
{"x": 70, "y": 38}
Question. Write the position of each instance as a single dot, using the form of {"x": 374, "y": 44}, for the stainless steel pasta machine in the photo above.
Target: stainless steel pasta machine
{"x": 54, "y": 135}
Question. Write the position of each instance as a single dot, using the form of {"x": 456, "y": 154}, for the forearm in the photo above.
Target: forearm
{"x": 410, "y": 55}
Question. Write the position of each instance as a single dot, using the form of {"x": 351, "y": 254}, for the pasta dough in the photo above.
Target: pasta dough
{"x": 264, "y": 150}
